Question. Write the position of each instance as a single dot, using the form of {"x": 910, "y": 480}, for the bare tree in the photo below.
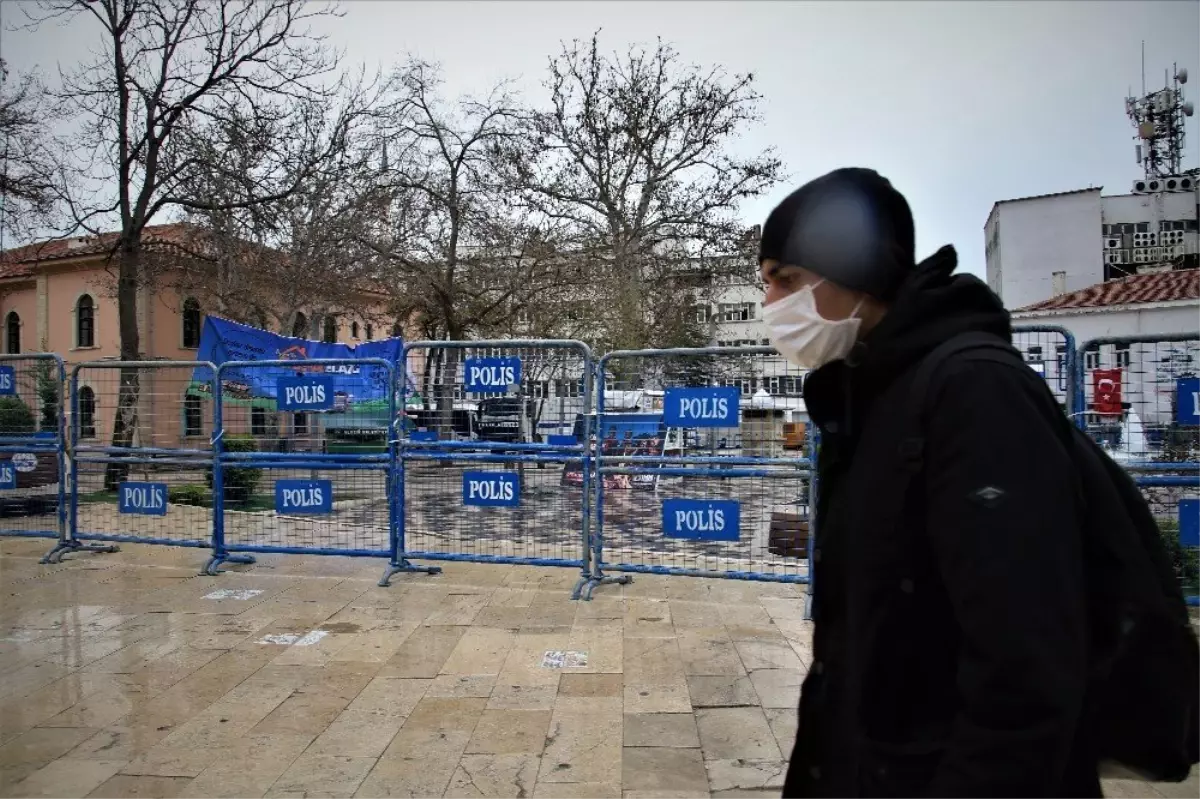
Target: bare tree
{"x": 303, "y": 250}
{"x": 165, "y": 65}
{"x": 462, "y": 260}
{"x": 634, "y": 150}
{"x": 27, "y": 171}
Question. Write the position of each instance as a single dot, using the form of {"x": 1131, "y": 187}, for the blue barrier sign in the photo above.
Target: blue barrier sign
{"x": 423, "y": 435}
{"x": 491, "y": 489}
{"x": 1189, "y": 522}
{"x": 702, "y": 520}
{"x": 701, "y": 407}
{"x": 8, "y": 381}
{"x": 1187, "y": 400}
{"x": 143, "y": 499}
{"x": 562, "y": 441}
{"x": 8, "y": 475}
{"x": 491, "y": 375}
{"x": 304, "y": 393}
{"x": 296, "y": 497}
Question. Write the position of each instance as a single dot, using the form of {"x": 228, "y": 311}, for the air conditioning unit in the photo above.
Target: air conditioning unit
{"x": 1112, "y": 244}
{"x": 1178, "y": 251}
{"x": 1140, "y": 255}
{"x": 1167, "y": 183}
{"x": 1170, "y": 238}
{"x": 1144, "y": 239}
{"x": 1116, "y": 257}
{"x": 1156, "y": 254}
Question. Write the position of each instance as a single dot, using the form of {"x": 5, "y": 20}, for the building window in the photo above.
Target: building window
{"x": 1091, "y": 359}
{"x": 193, "y": 416}
{"x": 703, "y": 314}
{"x": 1060, "y": 361}
{"x": 370, "y": 332}
{"x": 1034, "y": 355}
{"x": 329, "y": 330}
{"x": 87, "y": 412}
{"x": 738, "y": 312}
{"x": 85, "y": 322}
{"x": 354, "y": 330}
{"x": 12, "y": 329}
{"x": 191, "y": 324}
{"x": 300, "y": 326}
{"x": 1122, "y": 351}
{"x": 258, "y": 422}
{"x": 397, "y": 332}
{"x": 300, "y": 424}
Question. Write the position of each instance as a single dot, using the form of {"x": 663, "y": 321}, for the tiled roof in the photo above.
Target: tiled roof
{"x": 1182, "y": 284}
{"x": 23, "y": 261}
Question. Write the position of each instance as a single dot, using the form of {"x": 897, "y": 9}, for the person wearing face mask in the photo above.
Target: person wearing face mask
{"x": 949, "y": 651}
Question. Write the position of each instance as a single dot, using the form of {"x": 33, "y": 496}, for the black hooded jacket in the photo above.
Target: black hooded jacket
{"x": 950, "y": 646}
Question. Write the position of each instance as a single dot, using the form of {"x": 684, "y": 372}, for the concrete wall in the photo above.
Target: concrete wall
{"x": 1030, "y": 240}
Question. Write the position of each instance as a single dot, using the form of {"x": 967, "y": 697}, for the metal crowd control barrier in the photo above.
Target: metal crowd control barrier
{"x": 32, "y": 463}
{"x": 1050, "y": 351}
{"x": 494, "y": 462}
{"x": 700, "y": 466}
{"x": 1140, "y": 398}
{"x": 139, "y": 454}
{"x": 304, "y": 459}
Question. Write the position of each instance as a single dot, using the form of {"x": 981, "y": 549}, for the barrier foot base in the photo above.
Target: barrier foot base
{"x": 808, "y": 607}
{"x": 213, "y": 567}
{"x": 64, "y": 548}
{"x": 405, "y": 566}
{"x": 593, "y": 583}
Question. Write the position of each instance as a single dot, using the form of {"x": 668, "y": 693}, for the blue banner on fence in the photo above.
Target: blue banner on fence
{"x": 305, "y": 393}
{"x": 222, "y": 341}
{"x": 8, "y": 475}
{"x": 491, "y": 375}
{"x": 702, "y": 520}
{"x": 1187, "y": 400}
{"x": 144, "y": 499}
{"x": 701, "y": 407}
{"x": 491, "y": 489}
{"x": 1189, "y": 522}
{"x": 423, "y": 435}
{"x": 8, "y": 381}
{"x": 295, "y": 497}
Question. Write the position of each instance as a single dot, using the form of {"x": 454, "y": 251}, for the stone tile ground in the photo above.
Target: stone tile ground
{"x": 120, "y": 677}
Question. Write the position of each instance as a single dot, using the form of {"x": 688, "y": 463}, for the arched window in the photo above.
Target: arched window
{"x": 87, "y": 412}
{"x": 300, "y": 326}
{"x": 85, "y": 322}
{"x": 12, "y": 330}
{"x": 397, "y": 331}
{"x": 354, "y": 330}
{"x": 193, "y": 416}
{"x": 191, "y": 324}
{"x": 370, "y": 332}
{"x": 329, "y": 330}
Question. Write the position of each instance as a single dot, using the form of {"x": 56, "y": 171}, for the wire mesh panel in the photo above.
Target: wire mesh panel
{"x": 32, "y": 484}
{"x": 703, "y": 465}
{"x": 494, "y": 459}
{"x": 1141, "y": 401}
{"x": 1050, "y": 351}
{"x": 141, "y": 465}
{"x": 305, "y": 455}
{"x": 1139, "y": 398}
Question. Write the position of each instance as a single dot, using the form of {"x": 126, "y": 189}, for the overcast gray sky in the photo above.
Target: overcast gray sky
{"x": 960, "y": 104}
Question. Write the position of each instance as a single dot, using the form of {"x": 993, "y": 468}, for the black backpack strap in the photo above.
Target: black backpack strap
{"x": 912, "y": 446}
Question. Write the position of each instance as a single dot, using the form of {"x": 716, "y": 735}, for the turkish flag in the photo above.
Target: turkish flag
{"x": 1106, "y": 391}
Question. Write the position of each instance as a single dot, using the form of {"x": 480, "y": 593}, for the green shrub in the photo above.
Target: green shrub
{"x": 1186, "y": 560}
{"x": 240, "y": 481}
{"x": 188, "y": 495}
{"x": 15, "y": 417}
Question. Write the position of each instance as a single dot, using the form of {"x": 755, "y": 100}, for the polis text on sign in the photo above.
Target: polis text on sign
{"x": 491, "y": 375}
{"x": 706, "y": 520}
{"x": 491, "y": 489}
{"x": 144, "y": 499}
{"x": 701, "y": 407}
{"x": 306, "y": 393}
{"x": 8, "y": 380}
{"x": 303, "y": 496}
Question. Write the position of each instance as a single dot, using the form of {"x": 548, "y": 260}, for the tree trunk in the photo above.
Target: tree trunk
{"x": 125, "y": 419}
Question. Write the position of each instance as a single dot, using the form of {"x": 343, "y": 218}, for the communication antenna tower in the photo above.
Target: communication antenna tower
{"x": 1159, "y": 118}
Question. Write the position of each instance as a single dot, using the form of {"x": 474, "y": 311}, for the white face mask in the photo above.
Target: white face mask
{"x": 803, "y": 336}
